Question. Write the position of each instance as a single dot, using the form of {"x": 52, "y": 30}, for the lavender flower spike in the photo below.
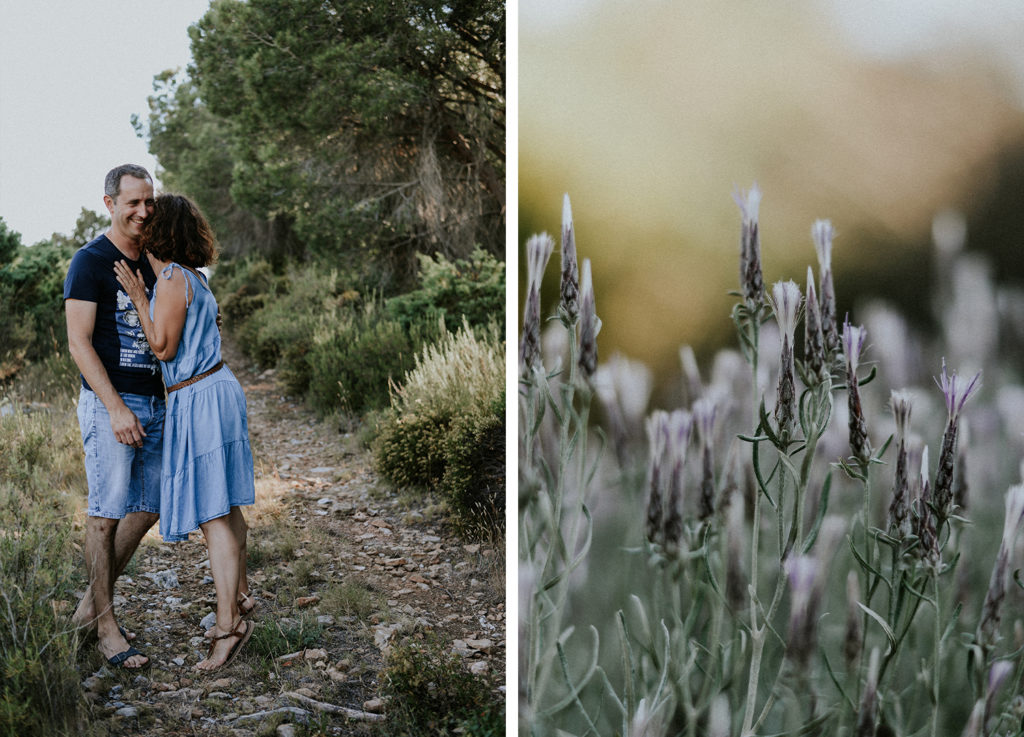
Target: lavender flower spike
{"x": 538, "y": 251}
{"x": 785, "y": 303}
{"x": 990, "y": 612}
{"x": 705, "y": 411}
{"x": 570, "y": 288}
{"x": 678, "y": 427}
{"x": 751, "y": 279}
{"x": 657, "y": 438}
{"x": 925, "y": 522}
{"x": 853, "y": 344}
{"x": 814, "y": 340}
{"x": 822, "y": 234}
{"x": 954, "y": 391}
{"x": 590, "y": 324}
{"x": 956, "y": 395}
{"x": 899, "y": 508}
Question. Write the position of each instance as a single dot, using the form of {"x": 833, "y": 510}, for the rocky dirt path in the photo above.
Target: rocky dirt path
{"x": 341, "y": 569}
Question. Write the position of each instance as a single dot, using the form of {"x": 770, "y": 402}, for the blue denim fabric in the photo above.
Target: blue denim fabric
{"x": 122, "y": 479}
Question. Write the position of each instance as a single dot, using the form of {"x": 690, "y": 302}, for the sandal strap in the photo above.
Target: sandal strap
{"x": 233, "y": 632}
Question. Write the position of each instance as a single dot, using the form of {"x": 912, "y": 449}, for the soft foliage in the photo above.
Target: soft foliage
{"x": 361, "y": 132}
{"x": 749, "y": 571}
{"x": 38, "y": 466}
{"x": 445, "y": 429}
{"x": 472, "y": 289}
{"x": 430, "y": 692}
{"x": 31, "y": 291}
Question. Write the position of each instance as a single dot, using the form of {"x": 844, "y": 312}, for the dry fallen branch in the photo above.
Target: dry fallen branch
{"x": 364, "y": 716}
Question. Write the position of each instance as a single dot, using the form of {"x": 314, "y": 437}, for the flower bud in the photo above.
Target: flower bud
{"x": 853, "y": 344}
{"x": 590, "y": 324}
{"x": 751, "y": 279}
{"x": 570, "y": 284}
{"x": 538, "y": 251}
{"x": 822, "y": 234}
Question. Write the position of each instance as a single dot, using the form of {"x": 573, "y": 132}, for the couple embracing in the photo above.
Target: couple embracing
{"x": 163, "y": 420}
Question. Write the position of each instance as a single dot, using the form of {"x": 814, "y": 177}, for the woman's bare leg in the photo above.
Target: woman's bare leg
{"x": 222, "y": 545}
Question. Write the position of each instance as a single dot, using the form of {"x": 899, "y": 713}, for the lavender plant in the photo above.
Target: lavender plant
{"x": 754, "y": 568}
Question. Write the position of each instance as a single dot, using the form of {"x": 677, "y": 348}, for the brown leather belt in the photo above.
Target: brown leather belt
{"x": 194, "y": 379}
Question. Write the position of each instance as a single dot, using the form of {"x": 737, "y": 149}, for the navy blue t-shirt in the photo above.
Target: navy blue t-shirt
{"x": 117, "y": 336}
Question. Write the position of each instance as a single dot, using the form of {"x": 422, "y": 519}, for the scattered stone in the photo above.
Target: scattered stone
{"x": 478, "y": 667}
{"x": 166, "y": 579}
{"x": 325, "y": 620}
{"x": 374, "y": 706}
{"x": 315, "y": 654}
{"x": 285, "y": 730}
{"x": 222, "y": 684}
{"x": 127, "y": 712}
{"x": 304, "y": 601}
{"x": 336, "y": 675}
{"x": 208, "y": 621}
{"x": 219, "y": 695}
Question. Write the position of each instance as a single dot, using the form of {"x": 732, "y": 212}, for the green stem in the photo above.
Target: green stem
{"x": 937, "y": 665}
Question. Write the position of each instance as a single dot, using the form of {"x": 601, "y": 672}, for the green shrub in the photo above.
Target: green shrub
{"x": 31, "y": 288}
{"x": 474, "y": 470}
{"x": 445, "y": 428}
{"x": 243, "y": 287}
{"x": 410, "y": 450}
{"x": 430, "y": 692}
{"x": 472, "y": 289}
{"x": 357, "y": 355}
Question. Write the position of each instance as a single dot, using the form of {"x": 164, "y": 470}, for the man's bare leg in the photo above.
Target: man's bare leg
{"x": 109, "y": 545}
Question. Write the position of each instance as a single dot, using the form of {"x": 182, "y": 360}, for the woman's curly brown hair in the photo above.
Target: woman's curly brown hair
{"x": 177, "y": 231}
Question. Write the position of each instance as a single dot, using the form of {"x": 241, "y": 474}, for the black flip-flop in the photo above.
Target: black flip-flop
{"x": 90, "y": 634}
{"x": 118, "y": 660}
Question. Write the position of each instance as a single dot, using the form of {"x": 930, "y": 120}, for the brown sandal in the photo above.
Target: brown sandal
{"x": 243, "y": 613}
{"x": 236, "y": 648}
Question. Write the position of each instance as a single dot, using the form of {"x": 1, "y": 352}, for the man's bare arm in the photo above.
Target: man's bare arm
{"x": 81, "y": 320}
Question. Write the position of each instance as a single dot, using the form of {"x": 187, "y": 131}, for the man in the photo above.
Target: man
{"x": 120, "y": 407}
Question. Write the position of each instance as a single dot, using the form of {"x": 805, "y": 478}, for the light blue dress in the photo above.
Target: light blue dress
{"x": 207, "y": 461}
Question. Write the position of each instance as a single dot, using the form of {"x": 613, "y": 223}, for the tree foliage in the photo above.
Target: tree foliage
{"x": 361, "y": 131}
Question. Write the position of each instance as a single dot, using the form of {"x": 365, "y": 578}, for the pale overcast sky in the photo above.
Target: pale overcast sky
{"x": 72, "y": 74}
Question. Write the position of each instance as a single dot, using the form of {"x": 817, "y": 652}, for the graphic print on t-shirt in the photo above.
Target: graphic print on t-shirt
{"x": 135, "y": 350}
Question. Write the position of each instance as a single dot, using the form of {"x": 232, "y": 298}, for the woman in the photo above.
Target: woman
{"x": 207, "y": 462}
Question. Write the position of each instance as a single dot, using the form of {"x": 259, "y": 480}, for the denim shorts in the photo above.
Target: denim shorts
{"x": 122, "y": 479}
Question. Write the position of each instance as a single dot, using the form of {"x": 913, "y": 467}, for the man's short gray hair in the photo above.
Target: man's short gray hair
{"x": 112, "y": 184}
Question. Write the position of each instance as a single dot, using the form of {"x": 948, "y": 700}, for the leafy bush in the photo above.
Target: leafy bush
{"x": 357, "y": 354}
{"x": 445, "y": 429}
{"x": 410, "y": 450}
{"x": 472, "y": 289}
{"x": 31, "y": 287}
{"x": 474, "y": 470}
{"x": 430, "y": 692}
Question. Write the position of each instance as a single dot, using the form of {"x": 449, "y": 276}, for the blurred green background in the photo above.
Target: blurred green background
{"x": 877, "y": 116}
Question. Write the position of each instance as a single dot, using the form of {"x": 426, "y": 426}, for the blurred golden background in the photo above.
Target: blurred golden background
{"x": 649, "y": 114}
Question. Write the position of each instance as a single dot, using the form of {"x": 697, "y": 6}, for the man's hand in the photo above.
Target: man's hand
{"x": 126, "y": 426}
